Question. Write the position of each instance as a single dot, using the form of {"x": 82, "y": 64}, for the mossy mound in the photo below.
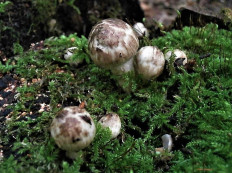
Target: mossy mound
{"x": 194, "y": 107}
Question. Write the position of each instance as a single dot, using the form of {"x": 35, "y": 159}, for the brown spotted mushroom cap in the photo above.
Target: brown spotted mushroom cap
{"x": 112, "y": 121}
{"x": 73, "y": 129}
{"x": 112, "y": 42}
{"x": 149, "y": 62}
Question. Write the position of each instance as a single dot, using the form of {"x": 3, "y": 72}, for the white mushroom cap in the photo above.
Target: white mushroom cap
{"x": 73, "y": 129}
{"x": 69, "y": 53}
{"x": 167, "y": 142}
{"x": 112, "y": 121}
{"x": 140, "y": 30}
{"x": 112, "y": 42}
{"x": 179, "y": 55}
{"x": 149, "y": 62}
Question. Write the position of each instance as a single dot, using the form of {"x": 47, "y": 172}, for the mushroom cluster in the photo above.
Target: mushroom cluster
{"x": 113, "y": 45}
{"x": 73, "y": 129}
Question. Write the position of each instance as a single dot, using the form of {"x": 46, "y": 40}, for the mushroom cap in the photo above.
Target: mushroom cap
{"x": 179, "y": 54}
{"x": 73, "y": 129}
{"x": 149, "y": 62}
{"x": 167, "y": 142}
{"x": 112, "y": 42}
{"x": 112, "y": 121}
{"x": 69, "y": 53}
{"x": 140, "y": 30}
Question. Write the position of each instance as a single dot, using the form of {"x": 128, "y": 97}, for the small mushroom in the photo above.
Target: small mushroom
{"x": 112, "y": 121}
{"x": 112, "y": 44}
{"x": 69, "y": 53}
{"x": 149, "y": 62}
{"x": 52, "y": 25}
{"x": 140, "y": 30}
{"x": 73, "y": 129}
{"x": 167, "y": 142}
{"x": 179, "y": 55}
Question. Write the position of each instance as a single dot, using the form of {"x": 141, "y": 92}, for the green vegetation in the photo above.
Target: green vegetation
{"x": 3, "y": 6}
{"x": 194, "y": 107}
{"x": 48, "y": 9}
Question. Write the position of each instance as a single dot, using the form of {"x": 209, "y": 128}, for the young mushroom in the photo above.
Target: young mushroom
{"x": 180, "y": 58}
{"x": 112, "y": 121}
{"x": 140, "y": 30}
{"x": 112, "y": 44}
{"x": 73, "y": 129}
{"x": 68, "y": 55}
{"x": 149, "y": 62}
{"x": 167, "y": 144}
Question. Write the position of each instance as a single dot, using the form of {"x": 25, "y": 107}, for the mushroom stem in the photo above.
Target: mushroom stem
{"x": 72, "y": 154}
{"x": 123, "y": 68}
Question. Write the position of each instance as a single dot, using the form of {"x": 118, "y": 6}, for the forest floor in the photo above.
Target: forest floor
{"x": 193, "y": 104}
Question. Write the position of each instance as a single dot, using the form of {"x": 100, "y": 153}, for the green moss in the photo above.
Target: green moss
{"x": 105, "y": 9}
{"x": 46, "y": 10}
{"x": 227, "y": 14}
{"x": 195, "y": 108}
{"x": 4, "y": 5}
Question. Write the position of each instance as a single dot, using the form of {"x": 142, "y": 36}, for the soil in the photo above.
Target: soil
{"x": 165, "y": 11}
{"x": 18, "y": 27}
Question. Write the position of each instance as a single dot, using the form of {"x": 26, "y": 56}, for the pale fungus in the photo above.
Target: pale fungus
{"x": 113, "y": 122}
{"x": 112, "y": 44}
{"x": 69, "y": 53}
{"x": 180, "y": 58}
{"x": 149, "y": 62}
{"x": 140, "y": 30}
{"x": 73, "y": 129}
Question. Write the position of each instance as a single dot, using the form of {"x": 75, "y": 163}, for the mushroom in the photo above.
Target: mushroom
{"x": 167, "y": 142}
{"x": 69, "y": 53}
{"x": 149, "y": 62}
{"x": 112, "y": 121}
{"x": 180, "y": 57}
{"x": 73, "y": 129}
{"x": 140, "y": 30}
{"x": 112, "y": 44}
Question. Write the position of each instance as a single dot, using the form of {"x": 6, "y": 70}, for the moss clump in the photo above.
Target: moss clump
{"x": 227, "y": 14}
{"x": 195, "y": 108}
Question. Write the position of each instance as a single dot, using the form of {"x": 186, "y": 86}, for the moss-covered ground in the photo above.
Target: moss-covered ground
{"x": 192, "y": 105}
